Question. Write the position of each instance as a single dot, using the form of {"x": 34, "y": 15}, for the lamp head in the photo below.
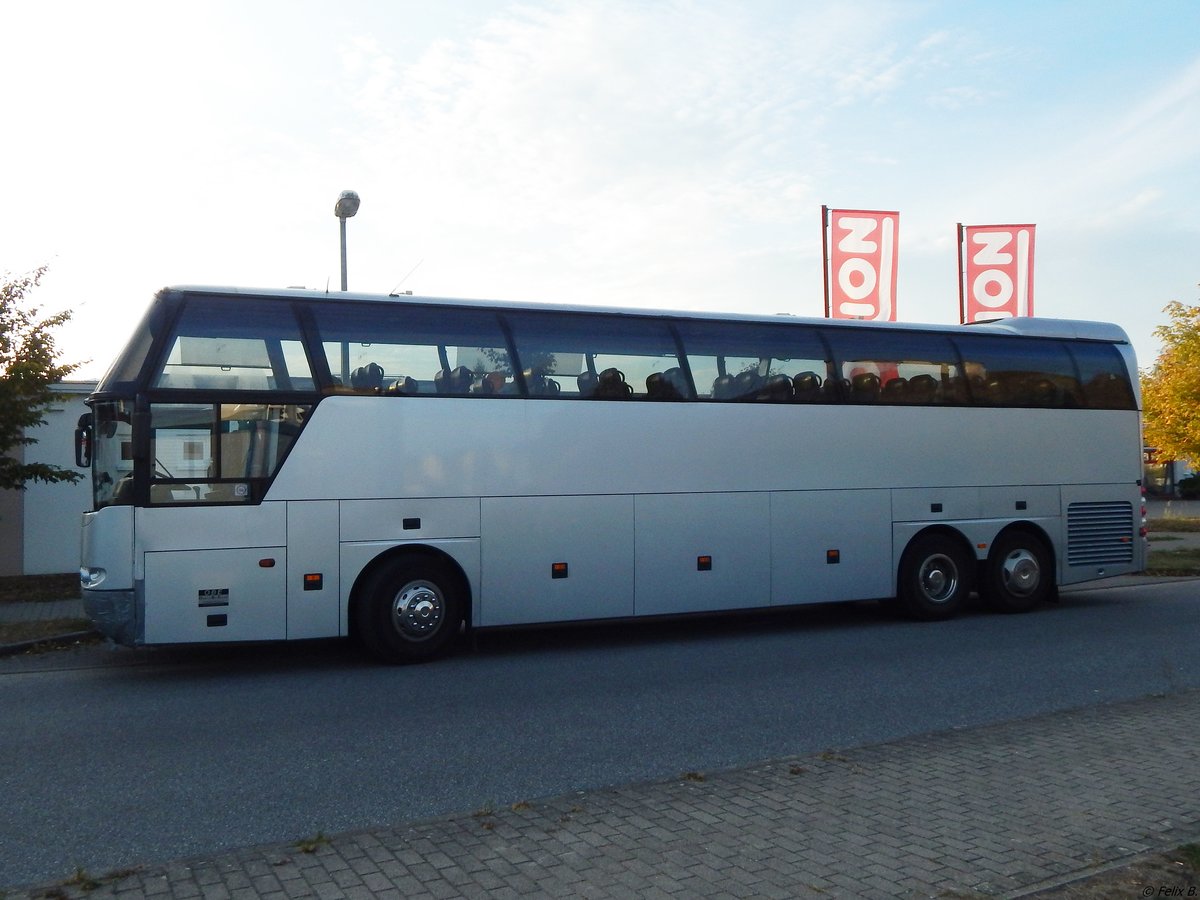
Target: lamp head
{"x": 347, "y": 205}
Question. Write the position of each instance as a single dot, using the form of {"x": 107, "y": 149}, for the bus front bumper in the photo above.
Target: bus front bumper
{"x": 115, "y": 615}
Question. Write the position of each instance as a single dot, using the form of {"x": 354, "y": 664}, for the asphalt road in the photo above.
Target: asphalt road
{"x": 112, "y": 757}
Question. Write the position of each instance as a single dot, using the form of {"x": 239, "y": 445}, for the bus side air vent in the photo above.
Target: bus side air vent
{"x": 1099, "y": 533}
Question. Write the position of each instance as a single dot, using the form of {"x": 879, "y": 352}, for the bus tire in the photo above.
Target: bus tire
{"x": 1018, "y": 574}
{"x": 410, "y": 609}
{"x": 934, "y": 578}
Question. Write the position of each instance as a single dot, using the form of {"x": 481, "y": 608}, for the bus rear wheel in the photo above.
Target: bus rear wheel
{"x": 934, "y": 577}
{"x": 409, "y": 610}
{"x": 1018, "y": 574}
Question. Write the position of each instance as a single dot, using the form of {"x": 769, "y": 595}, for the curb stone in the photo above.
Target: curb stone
{"x": 21, "y": 646}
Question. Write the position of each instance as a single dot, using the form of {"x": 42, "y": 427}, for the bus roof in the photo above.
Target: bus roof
{"x": 1070, "y": 329}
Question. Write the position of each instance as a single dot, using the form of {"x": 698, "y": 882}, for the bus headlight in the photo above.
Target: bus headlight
{"x": 90, "y": 577}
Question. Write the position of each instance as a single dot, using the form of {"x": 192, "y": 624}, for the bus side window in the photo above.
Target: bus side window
{"x": 404, "y": 349}
{"x": 896, "y": 367}
{"x": 222, "y": 453}
{"x": 1102, "y": 371}
{"x": 744, "y": 362}
{"x": 598, "y": 358}
{"x": 260, "y": 349}
{"x": 1020, "y": 372}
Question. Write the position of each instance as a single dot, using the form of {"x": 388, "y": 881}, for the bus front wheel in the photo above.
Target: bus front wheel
{"x": 1018, "y": 574}
{"x": 409, "y": 610}
{"x": 934, "y": 578}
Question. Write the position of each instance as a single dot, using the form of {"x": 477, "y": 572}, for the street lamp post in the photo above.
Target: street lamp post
{"x": 346, "y": 206}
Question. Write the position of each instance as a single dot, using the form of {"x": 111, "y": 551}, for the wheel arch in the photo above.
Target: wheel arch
{"x": 410, "y": 552}
{"x": 940, "y": 529}
{"x": 1024, "y": 527}
{"x": 977, "y": 530}
{"x": 1029, "y": 527}
{"x": 934, "y": 572}
{"x": 1032, "y": 528}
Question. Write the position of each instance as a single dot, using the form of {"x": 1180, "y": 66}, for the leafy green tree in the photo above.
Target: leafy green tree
{"x": 29, "y": 367}
{"x": 1171, "y": 388}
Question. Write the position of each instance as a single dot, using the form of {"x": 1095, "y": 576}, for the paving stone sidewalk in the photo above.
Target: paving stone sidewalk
{"x": 997, "y": 810}
{"x": 40, "y": 611}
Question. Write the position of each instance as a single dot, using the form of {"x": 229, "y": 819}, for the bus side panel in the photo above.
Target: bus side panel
{"x": 831, "y": 545}
{"x": 935, "y": 504}
{"x": 312, "y": 539}
{"x": 731, "y": 532}
{"x": 211, "y": 527}
{"x": 1026, "y": 501}
{"x": 409, "y": 519}
{"x": 215, "y": 595}
{"x": 559, "y": 447}
{"x": 524, "y": 537}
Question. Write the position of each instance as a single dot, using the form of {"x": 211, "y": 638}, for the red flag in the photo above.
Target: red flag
{"x": 860, "y": 266}
{"x": 995, "y": 271}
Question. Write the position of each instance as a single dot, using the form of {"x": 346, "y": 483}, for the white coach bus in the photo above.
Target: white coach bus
{"x": 291, "y": 464}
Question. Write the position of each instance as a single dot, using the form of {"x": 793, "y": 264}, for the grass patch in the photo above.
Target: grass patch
{"x": 312, "y": 844}
{"x": 82, "y": 882}
{"x": 1173, "y": 523}
{"x": 1173, "y": 562}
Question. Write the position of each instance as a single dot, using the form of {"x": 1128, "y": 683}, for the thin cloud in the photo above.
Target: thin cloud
{"x": 644, "y": 139}
{"x": 1121, "y": 169}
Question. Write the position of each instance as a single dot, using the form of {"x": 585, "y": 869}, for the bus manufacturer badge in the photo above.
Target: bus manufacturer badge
{"x": 213, "y": 597}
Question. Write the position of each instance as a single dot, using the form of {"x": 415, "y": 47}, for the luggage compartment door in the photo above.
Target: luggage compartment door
{"x": 215, "y": 595}
{"x": 525, "y": 538}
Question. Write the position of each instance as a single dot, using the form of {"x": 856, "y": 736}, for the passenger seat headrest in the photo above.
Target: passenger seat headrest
{"x": 367, "y": 378}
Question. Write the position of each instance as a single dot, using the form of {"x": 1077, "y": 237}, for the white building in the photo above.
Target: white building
{"x": 39, "y": 526}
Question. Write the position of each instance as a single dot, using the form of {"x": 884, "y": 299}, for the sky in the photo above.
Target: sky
{"x": 656, "y": 154}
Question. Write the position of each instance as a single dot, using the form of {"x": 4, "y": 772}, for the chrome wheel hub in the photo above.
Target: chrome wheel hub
{"x": 1021, "y": 572}
{"x": 418, "y": 610}
{"x": 938, "y": 578}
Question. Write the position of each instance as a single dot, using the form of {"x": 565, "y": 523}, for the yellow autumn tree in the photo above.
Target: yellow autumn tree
{"x": 1171, "y": 388}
